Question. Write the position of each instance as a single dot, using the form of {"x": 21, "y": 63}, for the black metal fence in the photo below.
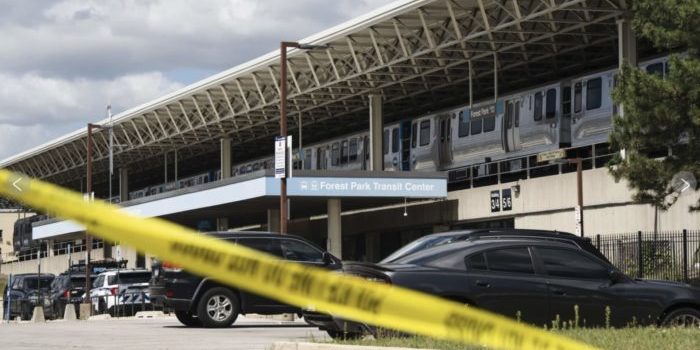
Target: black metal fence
{"x": 671, "y": 255}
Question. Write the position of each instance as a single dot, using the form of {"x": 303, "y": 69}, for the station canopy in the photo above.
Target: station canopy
{"x": 416, "y": 54}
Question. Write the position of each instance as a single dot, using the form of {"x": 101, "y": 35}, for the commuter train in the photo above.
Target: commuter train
{"x": 573, "y": 112}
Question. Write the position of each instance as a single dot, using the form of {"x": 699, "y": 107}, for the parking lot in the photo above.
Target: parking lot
{"x": 157, "y": 333}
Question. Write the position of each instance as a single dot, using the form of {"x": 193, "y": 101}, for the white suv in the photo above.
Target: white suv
{"x": 117, "y": 288}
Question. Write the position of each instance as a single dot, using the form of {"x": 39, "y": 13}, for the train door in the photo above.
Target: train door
{"x": 444, "y": 144}
{"x": 409, "y": 136}
{"x": 321, "y": 160}
{"x": 511, "y": 126}
{"x": 565, "y": 122}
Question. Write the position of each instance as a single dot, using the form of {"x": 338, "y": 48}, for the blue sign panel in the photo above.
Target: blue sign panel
{"x": 371, "y": 187}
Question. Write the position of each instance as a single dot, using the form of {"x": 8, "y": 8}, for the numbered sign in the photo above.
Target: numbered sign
{"x": 506, "y": 199}
{"x": 495, "y": 201}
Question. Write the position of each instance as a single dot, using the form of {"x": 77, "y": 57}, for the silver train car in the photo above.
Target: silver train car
{"x": 573, "y": 112}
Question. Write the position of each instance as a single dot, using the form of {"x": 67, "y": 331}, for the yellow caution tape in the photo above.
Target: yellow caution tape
{"x": 304, "y": 286}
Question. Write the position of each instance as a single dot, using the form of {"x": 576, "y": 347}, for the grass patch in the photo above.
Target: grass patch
{"x": 650, "y": 338}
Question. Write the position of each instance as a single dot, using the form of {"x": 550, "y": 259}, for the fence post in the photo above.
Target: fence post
{"x": 640, "y": 262}
{"x": 597, "y": 241}
{"x": 685, "y": 255}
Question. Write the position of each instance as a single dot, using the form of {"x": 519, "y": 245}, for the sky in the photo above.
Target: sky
{"x": 63, "y": 61}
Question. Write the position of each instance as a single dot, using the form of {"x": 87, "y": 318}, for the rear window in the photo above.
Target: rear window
{"x": 129, "y": 278}
{"x": 33, "y": 283}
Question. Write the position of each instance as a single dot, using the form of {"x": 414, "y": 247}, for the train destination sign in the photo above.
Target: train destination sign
{"x": 488, "y": 110}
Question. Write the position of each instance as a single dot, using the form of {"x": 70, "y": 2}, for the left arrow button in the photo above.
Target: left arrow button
{"x": 15, "y": 184}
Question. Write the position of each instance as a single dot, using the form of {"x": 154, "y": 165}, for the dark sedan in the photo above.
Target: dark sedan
{"x": 536, "y": 281}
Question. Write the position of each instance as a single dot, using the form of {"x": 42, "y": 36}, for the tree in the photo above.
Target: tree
{"x": 660, "y": 113}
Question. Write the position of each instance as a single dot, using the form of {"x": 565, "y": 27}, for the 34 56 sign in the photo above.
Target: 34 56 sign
{"x": 502, "y": 199}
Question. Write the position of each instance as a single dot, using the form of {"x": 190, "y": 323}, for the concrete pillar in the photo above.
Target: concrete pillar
{"x": 225, "y": 163}
{"x": 273, "y": 220}
{"x": 225, "y": 158}
{"x": 376, "y": 131}
{"x": 335, "y": 238}
{"x": 123, "y": 184}
{"x": 221, "y": 224}
{"x": 627, "y": 42}
{"x": 372, "y": 247}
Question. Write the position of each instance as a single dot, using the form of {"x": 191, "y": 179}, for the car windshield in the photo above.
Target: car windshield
{"x": 418, "y": 245}
{"x": 33, "y": 283}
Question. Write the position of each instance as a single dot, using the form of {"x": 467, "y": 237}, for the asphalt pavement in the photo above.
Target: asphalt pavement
{"x": 156, "y": 333}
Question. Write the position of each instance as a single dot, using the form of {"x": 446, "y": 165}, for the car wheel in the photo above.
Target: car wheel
{"x": 217, "y": 308}
{"x": 188, "y": 319}
{"x": 683, "y": 317}
{"x": 340, "y": 335}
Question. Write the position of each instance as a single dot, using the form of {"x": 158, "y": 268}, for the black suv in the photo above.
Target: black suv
{"x": 25, "y": 292}
{"x": 204, "y": 302}
{"x": 537, "y": 281}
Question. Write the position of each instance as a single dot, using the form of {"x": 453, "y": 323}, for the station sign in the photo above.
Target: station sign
{"x": 280, "y": 159}
{"x": 506, "y": 199}
{"x": 372, "y": 187}
{"x": 551, "y": 155}
{"x": 495, "y": 201}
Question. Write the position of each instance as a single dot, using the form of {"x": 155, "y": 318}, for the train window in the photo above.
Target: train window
{"x": 537, "y": 113}
{"x": 656, "y": 68}
{"x": 414, "y": 135}
{"x": 551, "y": 103}
{"x": 344, "y": 152}
{"x": 385, "y": 143}
{"x": 463, "y": 129}
{"x": 307, "y": 159}
{"x": 320, "y": 158}
{"x": 424, "y": 132}
{"x": 489, "y": 124}
{"x": 395, "y": 140}
{"x": 353, "y": 150}
{"x": 335, "y": 154}
{"x": 517, "y": 114}
{"x": 476, "y": 126}
{"x": 594, "y": 93}
{"x": 578, "y": 99}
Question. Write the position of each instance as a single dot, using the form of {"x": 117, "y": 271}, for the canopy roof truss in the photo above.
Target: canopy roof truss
{"x": 417, "y": 54}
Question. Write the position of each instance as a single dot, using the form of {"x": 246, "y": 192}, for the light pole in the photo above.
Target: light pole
{"x": 284, "y": 217}
{"x": 579, "y": 188}
{"x": 88, "y": 238}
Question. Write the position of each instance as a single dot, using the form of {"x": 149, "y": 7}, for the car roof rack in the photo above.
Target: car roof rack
{"x": 98, "y": 266}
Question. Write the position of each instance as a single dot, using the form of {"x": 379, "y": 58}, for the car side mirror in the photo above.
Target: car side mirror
{"x": 616, "y": 276}
{"x": 328, "y": 259}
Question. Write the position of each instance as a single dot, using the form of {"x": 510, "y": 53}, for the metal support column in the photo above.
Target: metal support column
{"x": 123, "y": 185}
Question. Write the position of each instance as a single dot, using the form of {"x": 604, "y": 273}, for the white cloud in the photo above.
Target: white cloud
{"x": 62, "y": 61}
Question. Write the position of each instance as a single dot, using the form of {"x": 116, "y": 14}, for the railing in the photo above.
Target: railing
{"x": 525, "y": 167}
{"x": 654, "y": 255}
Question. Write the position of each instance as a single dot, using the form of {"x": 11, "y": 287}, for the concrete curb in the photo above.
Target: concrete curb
{"x": 150, "y": 314}
{"x": 330, "y": 346}
{"x": 38, "y": 315}
{"x": 99, "y": 317}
